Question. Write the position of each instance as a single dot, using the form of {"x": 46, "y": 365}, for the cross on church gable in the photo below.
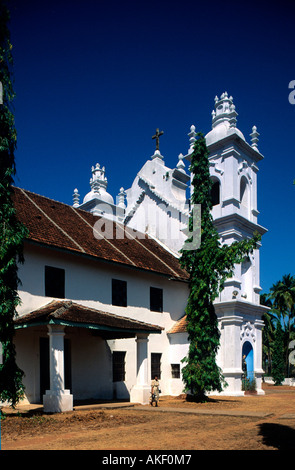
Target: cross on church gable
{"x": 157, "y": 137}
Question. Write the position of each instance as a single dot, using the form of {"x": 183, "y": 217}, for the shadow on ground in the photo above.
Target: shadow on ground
{"x": 277, "y": 436}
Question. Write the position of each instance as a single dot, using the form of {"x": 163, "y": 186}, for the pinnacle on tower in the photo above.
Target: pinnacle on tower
{"x": 76, "y": 198}
{"x": 254, "y": 137}
{"x": 192, "y": 138}
{"x": 98, "y": 179}
{"x": 180, "y": 165}
{"x": 224, "y": 111}
{"x": 121, "y": 198}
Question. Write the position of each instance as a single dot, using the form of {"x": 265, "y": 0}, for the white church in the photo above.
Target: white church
{"x": 103, "y": 295}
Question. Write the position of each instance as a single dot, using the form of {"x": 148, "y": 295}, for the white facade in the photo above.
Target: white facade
{"x": 157, "y": 203}
{"x": 88, "y": 283}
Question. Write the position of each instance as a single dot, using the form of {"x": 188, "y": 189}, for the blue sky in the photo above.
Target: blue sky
{"x": 95, "y": 78}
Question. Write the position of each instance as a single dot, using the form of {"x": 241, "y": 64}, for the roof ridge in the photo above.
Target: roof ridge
{"x": 153, "y": 254}
{"x": 115, "y": 315}
{"x": 53, "y": 222}
{"x": 39, "y": 195}
{"x": 48, "y": 198}
{"x": 106, "y": 239}
{"x": 65, "y": 306}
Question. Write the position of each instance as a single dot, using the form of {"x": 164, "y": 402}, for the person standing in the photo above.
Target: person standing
{"x": 244, "y": 365}
{"x": 155, "y": 391}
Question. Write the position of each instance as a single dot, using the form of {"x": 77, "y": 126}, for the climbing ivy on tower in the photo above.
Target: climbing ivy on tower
{"x": 12, "y": 232}
{"x": 208, "y": 266}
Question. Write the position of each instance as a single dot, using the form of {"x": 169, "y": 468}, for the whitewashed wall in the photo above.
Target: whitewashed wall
{"x": 88, "y": 282}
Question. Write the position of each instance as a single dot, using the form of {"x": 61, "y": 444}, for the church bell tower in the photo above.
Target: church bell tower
{"x": 234, "y": 169}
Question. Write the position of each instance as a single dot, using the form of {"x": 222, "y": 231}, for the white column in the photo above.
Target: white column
{"x": 140, "y": 393}
{"x": 57, "y": 399}
{"x": 231, "y": 358}
{"x": 258, "y": 325}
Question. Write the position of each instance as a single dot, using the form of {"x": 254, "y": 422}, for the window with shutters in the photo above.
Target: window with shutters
{"x": 156, "y": 365}
{"x": 156, "y": 299}
{"x": 175, "y": 371}
{"x": 54, "y": 282}
{"x": 119, "y": 366}
{"x": 119, "y": 293}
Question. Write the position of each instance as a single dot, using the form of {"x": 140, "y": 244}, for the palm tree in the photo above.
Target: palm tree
{"x": 268, "y": 333}
{"x": 283, "y": 296}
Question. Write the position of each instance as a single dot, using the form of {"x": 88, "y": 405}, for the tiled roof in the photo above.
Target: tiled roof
{"x": 62, "y": 226}
{"x": 69, "y": 313}
{"x": 179, "y": 327}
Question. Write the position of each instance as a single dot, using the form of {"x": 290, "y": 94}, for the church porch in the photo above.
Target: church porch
{"x": 63, "y": 350}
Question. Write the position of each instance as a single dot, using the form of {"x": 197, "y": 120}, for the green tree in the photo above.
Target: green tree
{"x": 208, "y": 266}
{"x": 278, "y": 362}
{"x": 12, "y": 233}
{"x": 269, "y": 320}
{"x": 282, "y": 293}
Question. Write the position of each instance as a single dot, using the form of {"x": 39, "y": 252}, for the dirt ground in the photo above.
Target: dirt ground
{"x": 224, "y": 423}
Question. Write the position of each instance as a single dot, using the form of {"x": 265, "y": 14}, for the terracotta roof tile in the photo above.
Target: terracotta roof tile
{"x": 72, "y": 313}
{"x": 62, "y": 226}
{"x": 179, "y": 327}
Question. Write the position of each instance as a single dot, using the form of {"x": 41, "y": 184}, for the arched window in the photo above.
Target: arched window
{"x": 246, "y": 265}
{"x": 246, "y": 273}
{"x": 215, "y": 193}
{"x": 248, "y": 360}
{"x": 244, "y": 192}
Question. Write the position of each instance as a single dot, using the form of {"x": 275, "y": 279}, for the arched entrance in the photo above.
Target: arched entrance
{"x": 248, "y": 359}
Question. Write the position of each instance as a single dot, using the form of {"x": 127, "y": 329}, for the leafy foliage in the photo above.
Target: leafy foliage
{"x": 249, "y": 384}
{"x": 267, "y": 334}
{"x": 281, "y": 300}
{"x": 208, "y": 266}
{"x": 12, "y": 233}
{"x": 278, "y": 363}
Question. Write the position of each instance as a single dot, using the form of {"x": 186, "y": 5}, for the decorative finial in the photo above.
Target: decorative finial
{"x": 232, "y": 116}
{"x": 158, "y": 155}
{"x": 254, "y": 137}
{"x": 121, "y": 197}
{"x": 225, "y": 111}
{"x": 98, "y": 179}
{"x": 180, "y": 165}
{"x": 157, "y": 137}
{"x": 192, "y": 138}
{"x": 76, "y": 198}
